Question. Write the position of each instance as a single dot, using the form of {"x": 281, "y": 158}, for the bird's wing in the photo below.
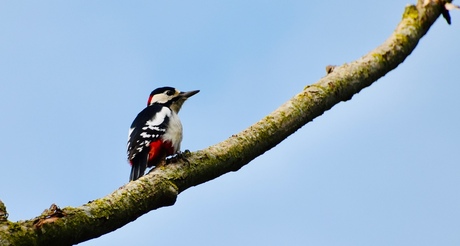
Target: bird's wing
{"x": 149, "y": 125}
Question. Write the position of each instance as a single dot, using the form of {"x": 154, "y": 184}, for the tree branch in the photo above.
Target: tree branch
{"x": 161, "y": 186}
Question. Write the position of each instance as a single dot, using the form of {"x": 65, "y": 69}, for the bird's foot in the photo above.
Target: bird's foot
{"x": 178, "y": 156}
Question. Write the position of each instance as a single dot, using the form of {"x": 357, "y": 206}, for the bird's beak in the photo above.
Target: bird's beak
{"x": 188, "y": 94}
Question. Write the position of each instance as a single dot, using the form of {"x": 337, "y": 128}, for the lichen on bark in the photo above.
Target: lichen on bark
{"x": 71, "y": 225}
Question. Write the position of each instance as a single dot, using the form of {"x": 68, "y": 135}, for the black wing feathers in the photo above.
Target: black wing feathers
{"x": 138, "y": 168}
{"x": 149, "y": 125}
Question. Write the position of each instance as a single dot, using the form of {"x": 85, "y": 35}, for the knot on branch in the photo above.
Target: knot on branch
{"x": 49, "y": 215}
{"x": 330, "y": 69}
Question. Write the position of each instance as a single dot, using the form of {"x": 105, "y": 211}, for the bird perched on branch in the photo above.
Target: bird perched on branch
{"x": 156, "y": 132}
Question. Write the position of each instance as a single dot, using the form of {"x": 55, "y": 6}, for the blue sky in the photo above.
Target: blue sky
{"x": 381, "y": 169}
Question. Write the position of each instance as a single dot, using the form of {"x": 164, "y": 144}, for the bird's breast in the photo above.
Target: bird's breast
{"x": 173, "y": 132}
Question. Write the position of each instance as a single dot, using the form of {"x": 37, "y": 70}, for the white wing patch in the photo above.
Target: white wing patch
{"x": 153, "y": 123}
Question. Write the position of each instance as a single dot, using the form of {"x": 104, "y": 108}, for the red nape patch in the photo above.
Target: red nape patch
{"x": 149, "y": 101}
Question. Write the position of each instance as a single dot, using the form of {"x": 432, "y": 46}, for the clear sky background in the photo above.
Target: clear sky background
{"x": 381, "y": 169}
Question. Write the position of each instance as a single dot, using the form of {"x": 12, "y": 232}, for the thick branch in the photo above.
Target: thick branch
{"x": 161, "y": 187}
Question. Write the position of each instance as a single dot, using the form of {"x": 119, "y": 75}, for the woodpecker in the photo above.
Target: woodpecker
{"x": 156, "y": 132}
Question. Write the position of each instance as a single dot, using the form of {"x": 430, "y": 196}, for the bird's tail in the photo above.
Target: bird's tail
{"x": 138, "y": 168}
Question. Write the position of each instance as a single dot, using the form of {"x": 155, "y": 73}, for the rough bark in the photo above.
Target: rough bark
{"x": 71, "y": 225}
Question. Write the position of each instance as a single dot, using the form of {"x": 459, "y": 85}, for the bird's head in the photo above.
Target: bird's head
{"x": 170, "y": 97}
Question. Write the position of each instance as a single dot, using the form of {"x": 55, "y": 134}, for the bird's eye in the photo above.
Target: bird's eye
{"x": 169, "y": 93}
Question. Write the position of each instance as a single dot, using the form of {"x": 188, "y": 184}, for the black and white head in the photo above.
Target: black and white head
{"x": 170, "y": 97}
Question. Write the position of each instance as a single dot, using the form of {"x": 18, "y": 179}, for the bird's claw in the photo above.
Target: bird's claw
{"x": 178, "y": 156}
